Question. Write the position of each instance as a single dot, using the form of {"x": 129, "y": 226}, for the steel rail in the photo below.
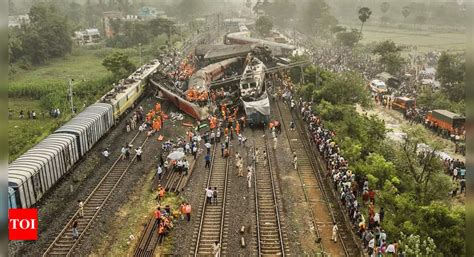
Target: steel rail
{"x": 98, "y": 209}
{"x": 203, "y": 212}
{"x": 275, "y": 202}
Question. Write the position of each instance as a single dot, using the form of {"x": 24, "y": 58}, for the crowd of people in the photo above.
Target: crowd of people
{"x": 350, "y": 186}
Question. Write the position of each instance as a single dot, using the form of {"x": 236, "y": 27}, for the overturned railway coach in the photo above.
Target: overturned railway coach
{"x": 35, "y": 172}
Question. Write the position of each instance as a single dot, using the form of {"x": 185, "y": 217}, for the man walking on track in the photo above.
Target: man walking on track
{"x": 208, "y": 161}
{"x": 81, "y": 208}
{"x": 295, "y": 161}
{"x": 334, "y": 232}
{"x": 209, "y": 194}
{"x": 249, "y": 176}
{"x": 275, "y": 143}
{"x": 216, "y": 249}
{"x": 139, "y": 154}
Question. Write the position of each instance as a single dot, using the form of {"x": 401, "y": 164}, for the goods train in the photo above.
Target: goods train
{"x": 40, "y": 168}
{"x": 243, "y": 37}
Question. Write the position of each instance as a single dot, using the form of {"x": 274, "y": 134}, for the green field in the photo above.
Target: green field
{"x": 25, "y": 133}
{"x": 83, "y": 65}
{"x": 424, "y": 40}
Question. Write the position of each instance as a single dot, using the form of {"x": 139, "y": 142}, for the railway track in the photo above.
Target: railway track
{"x": 146, "y": 246}
{"x": 323, "y": 211}
{"x": 64, "y": 244}
{"x": 211, "y": 226}
{"x": 271, "y": 236}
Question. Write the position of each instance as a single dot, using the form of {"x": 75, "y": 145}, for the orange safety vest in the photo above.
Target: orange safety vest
{"x": 188, "y": 208}
{"x": 161, "y": 229}
{"x": 162, "y": 192}
{"x": 237, "y": 128}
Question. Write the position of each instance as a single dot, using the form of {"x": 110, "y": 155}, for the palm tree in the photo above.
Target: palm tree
{"x": 384, "y": 7}
{"x": 405, "y": 11}
{"x": 364, "y": 15}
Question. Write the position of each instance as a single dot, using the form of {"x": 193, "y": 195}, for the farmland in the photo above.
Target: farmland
{"x": 44, "y": 87}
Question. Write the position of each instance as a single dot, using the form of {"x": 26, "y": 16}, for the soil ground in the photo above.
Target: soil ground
{"x": 58, "y": 206}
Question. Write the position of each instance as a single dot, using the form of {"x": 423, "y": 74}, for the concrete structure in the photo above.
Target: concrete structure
{"x": 87, "y": 37}
{"x": 18, "y": 20}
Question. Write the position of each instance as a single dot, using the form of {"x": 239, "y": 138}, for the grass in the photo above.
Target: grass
{"x": 425, "y": 41}
{"x": 25, "y": 133}
{"x": 28, "y": 90}
{"x": 132, "y": 216}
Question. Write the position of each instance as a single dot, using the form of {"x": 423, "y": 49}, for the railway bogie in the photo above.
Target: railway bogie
{"x": 36, "y": 171}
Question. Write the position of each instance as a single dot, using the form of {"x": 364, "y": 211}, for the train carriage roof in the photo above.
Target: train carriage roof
{"x": 449, "y": 114}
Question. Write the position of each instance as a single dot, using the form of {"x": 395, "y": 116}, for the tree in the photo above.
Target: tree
{"x": 118, "y": 64}
{"x": 385, "y": 47}
{"x": 349, "y": 39}
{"x": 413, "y": 245}
{"x": 451, "y": 73}
{"x": 392, "y": 62}
{"x": 384, "y": 7}
{"x": 390, "y": 57}
{"x": 406, "y": 11}
{"x": 364, "y": 15}
{"x": 335, "y": 88}
{"x": 263, "y": 25}
{"x": 420, "y": 168}
{"x": 50, "y": 29}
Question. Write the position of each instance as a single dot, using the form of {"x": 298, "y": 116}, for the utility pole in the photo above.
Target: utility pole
{"x": 140, "y": 52}
{"x": 70, "y": 94}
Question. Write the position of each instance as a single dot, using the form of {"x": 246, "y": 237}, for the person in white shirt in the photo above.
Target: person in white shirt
{"x": 295, "y": 161}
{"x": 216, "y": 249}
{"x": 209, "y": 194}
{"x": 249, "y": 177}
{"x": 334, "y": 232}
{"x": 106, "y": 153}
{"x": 159, "y": 171}
{"x": 139, "y": 152}
{"x": 391, "y": 249}
{"x": 371, "y": 246}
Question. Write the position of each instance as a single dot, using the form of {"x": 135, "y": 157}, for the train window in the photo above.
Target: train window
{"x": 37, "y": 184}
{"x": 67, "y": 157}
{"x": 13, "y": 197}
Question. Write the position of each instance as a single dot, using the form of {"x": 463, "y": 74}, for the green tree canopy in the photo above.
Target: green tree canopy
{"x": 263, "y": 25}
{"x": 118, "y": 64}
{"x": 451, "y": 73}
{"x": 348, "y": 38}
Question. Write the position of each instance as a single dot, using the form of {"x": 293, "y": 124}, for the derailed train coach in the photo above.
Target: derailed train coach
{"x": 40, "y": 168}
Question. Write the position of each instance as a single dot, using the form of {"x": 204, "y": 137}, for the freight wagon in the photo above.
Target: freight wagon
{"x": 446, "y": 121}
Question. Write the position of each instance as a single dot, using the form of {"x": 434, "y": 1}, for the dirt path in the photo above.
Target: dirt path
{"x": 397, "y": 124}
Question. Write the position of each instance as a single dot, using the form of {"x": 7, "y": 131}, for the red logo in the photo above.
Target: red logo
{"x": 23, "y": 224}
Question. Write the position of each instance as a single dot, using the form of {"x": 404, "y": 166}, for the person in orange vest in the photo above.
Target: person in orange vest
{"x": 158, "y": 213}
{"x": 158, "y": 107}
{"x": 182, "y": 210}
{"x": 188, "y": 211}
{"x": 226, "y": 132}
{"x": 236, "y": 109}
{"x": 213, "y": 96}
{"x": 161, "y": 232}
{"x": 161, "y": 193}
{"x": 237, "y": 128}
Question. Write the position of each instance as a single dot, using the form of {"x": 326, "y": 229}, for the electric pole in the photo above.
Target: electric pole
{"x": 70, "y": 94}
